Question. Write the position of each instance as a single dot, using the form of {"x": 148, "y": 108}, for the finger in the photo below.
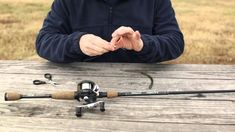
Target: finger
{"x": 115, "y": 40}
{"x": 92, "y": 45}
{"x": 92, "y": 49}
{"x": 98, "y": 49}
{"x": 122, "y": 30}
{"x": 119, "y": 43}
{"x": 137, "y": 35}
{"x": 103, "y": 44}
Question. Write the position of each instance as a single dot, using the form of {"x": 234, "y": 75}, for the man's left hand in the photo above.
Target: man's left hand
{"x": 126, "y": 37}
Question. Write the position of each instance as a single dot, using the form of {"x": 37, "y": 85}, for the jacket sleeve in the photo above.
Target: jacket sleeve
{"x": 167, "y": 41}
{"x": 55, "y": 41}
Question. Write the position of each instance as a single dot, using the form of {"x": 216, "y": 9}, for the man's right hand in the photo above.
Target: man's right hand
{"x": 92, "y": 45}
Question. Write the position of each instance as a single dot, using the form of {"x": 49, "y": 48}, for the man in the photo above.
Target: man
{"x": 142, "y": 31}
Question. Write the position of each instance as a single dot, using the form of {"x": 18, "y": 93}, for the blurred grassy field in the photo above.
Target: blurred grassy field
{"x": 208, "y": 27}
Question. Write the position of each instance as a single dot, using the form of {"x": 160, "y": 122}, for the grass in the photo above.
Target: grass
{"x": 208, "y": 27}
{"x": 20, "y": 20}
{"x": 209, "y": 30}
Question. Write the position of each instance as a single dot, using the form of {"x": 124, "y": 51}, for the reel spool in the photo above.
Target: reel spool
{"x": 88, "y": 91}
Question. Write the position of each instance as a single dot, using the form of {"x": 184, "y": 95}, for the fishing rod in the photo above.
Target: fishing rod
{"x": 88, "y": 91}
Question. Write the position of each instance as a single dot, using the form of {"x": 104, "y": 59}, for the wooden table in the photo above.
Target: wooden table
{"x": 215, "y": 112}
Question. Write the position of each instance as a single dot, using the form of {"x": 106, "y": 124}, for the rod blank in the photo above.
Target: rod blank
{"x": 70, "y": 95}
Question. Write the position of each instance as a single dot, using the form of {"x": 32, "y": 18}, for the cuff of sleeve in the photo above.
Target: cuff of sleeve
{"x": 75, "y": 43}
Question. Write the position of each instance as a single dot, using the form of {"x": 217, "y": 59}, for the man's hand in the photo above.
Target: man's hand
{"x": 92, "y": 45}
{"x": 126, "y": 37}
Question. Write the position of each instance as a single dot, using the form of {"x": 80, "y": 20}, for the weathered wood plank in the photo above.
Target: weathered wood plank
{"x": 107, "y": 66}
{"x": 225, "y": 72}
{"x": 27, "y": 124}
{"x": 131, "y": 110}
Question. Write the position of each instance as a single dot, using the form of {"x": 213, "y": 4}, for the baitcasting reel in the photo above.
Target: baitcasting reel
{"x": 88, "y": 91}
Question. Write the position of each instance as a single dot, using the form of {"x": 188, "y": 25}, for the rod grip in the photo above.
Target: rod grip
{"x": 65, "y": 95}
{"x": 112, "y": 94}
{"x": 12, "y": 96}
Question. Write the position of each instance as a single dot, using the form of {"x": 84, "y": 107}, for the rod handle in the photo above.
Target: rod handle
{"x": 64, "y": 95}
{"x": 112, "y": 94}
{"x": 12, "y": 96}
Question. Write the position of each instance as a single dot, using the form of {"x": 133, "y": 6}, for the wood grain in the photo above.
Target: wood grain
{"x": 125, "y": 109}
{"x": 29, "y": 124}
{"x": 214, "y": 112}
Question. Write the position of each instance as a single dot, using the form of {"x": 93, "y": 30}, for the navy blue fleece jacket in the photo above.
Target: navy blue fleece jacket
{"x": 68, "y": 20}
